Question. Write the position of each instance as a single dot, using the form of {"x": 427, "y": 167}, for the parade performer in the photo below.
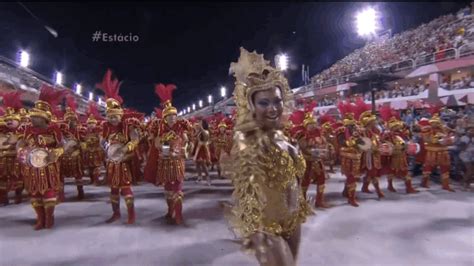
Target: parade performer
{"x": 371, "y": 157}
{"x": 40, "y": 149}
{"x": 152, "y": 157}
{"x": 137, "y": 157}
{"x": 315, "y": 150}
{"x": 93, "y": 152}
{"x": 202, "y": 155}
{"x": 398, "y": 166}
{"x": 327, "y": 123}
{"x": 349, "y": 138}
{"x": 10, "y": 133}
{"x": 213, "y": 122}
{"x": 269, "y": 205}
{"x": 221, "y": 141}
{"x": 437, "y": 141}
{"x": 71, "y": 160}
{"x": 122, "y": 140}
{"x": 171, "y": 142}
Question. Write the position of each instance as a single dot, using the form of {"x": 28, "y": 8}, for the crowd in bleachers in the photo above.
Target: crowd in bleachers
{"x": 448, "y": 31}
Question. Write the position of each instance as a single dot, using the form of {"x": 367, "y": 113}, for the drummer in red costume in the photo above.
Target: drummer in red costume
{"x": 122, "y": 140}
{"x": 315, "y": 150}
{"x": 10, "y": 133}
{"x": 93, "y": 153}
{"x": 398, "y": 166}
{"x": 152, "y": 156}
{"x": 40, "y": 148}
{"x": 171, "y": 141}
{"x": 221, "y": 139}
{"x": 71, "y": 160}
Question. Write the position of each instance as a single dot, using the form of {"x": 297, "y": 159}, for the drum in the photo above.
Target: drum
{"x": 114, "y": 152}
{"x": 386, "y": 149}
{"x": 69, "y": 145}
{"x": 413, "y": 148}
{"x": 165, "y": 150}
{"x": 319, "y": 153}
{"x": 38, "y": 157}
{"x": 365, "y": 145}
{"x": 3, "y": 142}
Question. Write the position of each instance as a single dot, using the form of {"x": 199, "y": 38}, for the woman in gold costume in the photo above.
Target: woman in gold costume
{"x": 266, "y": 170}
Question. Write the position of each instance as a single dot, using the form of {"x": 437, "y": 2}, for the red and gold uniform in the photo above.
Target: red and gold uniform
{"x": 348, "y": 137}
{"x": 42, "y": 183}
{"x": 71, "y": 160}
{"x": 121, "y": 133}
{"x": 327, "y": 123}
{"x": 311, "y": 141}
{"x": 10, "y": 133}
{"x": 93, "y": 153}
{"x": 372, "y": 160}
{"x": 171, "y": 141}
{"x": 152, "y": 158}
{"x": 436, "y": 141}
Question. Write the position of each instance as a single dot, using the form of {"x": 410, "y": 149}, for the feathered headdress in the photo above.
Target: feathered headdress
{"x": 158, "y": 112}
{"x": 165, "y": 93}
{"x": 326, "y": 121}
{"x": 93, "y": 114}
{"x": 71, "y": 108}
{"x": 48, "y": 100}
{"x": 363, "y": 112}
{"x": 347, "y": 111}
{"x": 390, "y": 117}
{"x": 434, "y": 111}
{"x": 12, "y": 103}
{"x": 308, "y": 113}
{"x": 111, "y": 88}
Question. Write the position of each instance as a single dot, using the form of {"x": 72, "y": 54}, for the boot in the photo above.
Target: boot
{"x": 380, "y": 194}
{"x": 390, "y": 184}
{"x": 40, "y": 215}
{"x": 18, "y": 195}
{"x": 351, "y": 196}
{"x": 178, "y": 209}
{"x": 426, "y": 180}
{"x": 305, "y": 190}
{"x": 61, "y": 197}
{"x": 320, "y": 203}
{"x": 365, "y": 187}
{"x": 49, "y": 213}
{"x": 445, "y": 182}
{"x": 409, "y": 187}
{"x": 344, "y": 192}
{"x": 169, "y": 202}
{"x": 80, "y": 193}
{"x": 130, "y": 210}
{"x": 4, "y": 198}
{"x": 115, "y": 200}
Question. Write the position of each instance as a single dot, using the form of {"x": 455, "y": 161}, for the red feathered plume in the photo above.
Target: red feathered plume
{"x": 360, "y": 107}
{"x": 297, "y": 117}
{"x": 110, "y": 86}
{"x": 51, "y": 95}
{"x": 385, "y": 112}
{"x": 158, "y": 113}
{"x": 326, "y": 118}
{"x": 71, "y": 102}
{"x": 12, "y": 99}
{"x": 434, "y": 109}
{"x": 57, "y": 112}
{"x": 309, "y": 106}
{"x": 165, "y": 92}
{"x": 94, "y": 111}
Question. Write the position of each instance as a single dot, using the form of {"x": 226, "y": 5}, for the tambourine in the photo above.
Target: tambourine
{"x": 413, "y": 148}
{"x": 366, "y": 144}
{"x": 115, "y": 153}
{"x": 70, "y": 143}
{"x": 386, "y": 149}
{"x": 3, "y": 142}
{"x": 38, "y": 158}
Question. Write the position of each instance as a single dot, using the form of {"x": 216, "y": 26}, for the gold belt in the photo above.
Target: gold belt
{"x": 436, "y": 149}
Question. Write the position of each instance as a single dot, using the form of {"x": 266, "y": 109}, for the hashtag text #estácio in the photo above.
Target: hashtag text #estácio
{"x": 105, "y": 37}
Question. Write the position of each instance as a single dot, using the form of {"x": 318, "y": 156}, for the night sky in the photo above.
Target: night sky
{"x": 190, "y": 44}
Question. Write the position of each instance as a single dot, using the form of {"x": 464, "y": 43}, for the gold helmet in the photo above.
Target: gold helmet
{"x": 111, "y": 89}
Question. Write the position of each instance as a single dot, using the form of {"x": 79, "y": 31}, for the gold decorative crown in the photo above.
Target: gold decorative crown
{"x": 91, "y": 120}
{"x": 113, "y": 107}
{"x": 394, "y": 123}
{"x": 10, "y": 114}
{"x": 349, "y": 119}
{"x": 253, "y": 74}
{"x": 222, "y": 124}
{"x": 168, "y": 109}
{"x": 367, "y": 117}
{"x": 70, "y": 114}
{"x": 308, "y": 119}
{"x": 435, "y": 120}
{"x": 41, "y": 109}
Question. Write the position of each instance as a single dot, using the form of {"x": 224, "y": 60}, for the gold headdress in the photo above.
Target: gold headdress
{"x": 111, "y": 87}
{"x": 253, "y": 73}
